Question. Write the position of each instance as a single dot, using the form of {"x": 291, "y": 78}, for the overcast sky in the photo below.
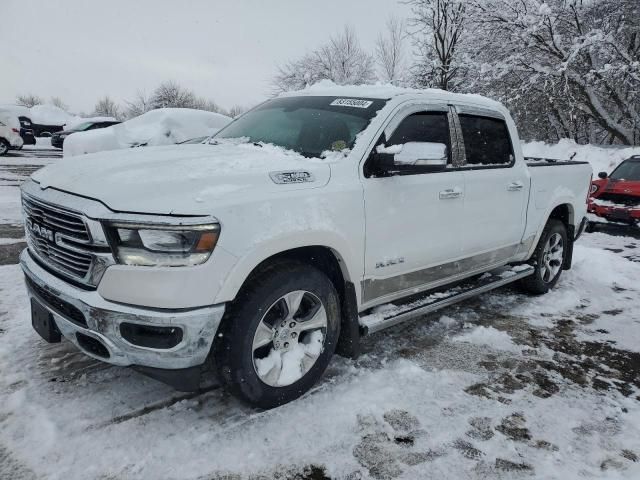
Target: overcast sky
{"x": 226, "y": 50}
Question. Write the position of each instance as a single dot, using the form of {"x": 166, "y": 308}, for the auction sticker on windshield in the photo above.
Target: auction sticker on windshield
{"x": 351, "y": 102}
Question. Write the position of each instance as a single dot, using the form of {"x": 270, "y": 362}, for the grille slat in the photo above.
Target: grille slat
{"x": 62, "y": 258}
{"x": 63, "y": 222}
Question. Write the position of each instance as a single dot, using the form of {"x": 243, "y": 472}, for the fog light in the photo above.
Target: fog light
{"x": 151, "y": 336}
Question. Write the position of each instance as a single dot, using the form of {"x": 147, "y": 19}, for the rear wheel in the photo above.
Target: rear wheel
{"x": 279, "y": 335}
{"x": 548, "y": 258}
{"x": 4, "y": 147}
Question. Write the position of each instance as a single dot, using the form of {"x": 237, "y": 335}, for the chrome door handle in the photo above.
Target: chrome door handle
{"x": 515, "y": 186}
{"x": 450, "y": 193}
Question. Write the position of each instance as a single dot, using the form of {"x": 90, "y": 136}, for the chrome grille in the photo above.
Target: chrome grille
{"x": 57, "y": 219}
{"x": 58, "y": 237}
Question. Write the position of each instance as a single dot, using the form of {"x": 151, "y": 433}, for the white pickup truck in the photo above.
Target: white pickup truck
{"x": 267, "y": 249}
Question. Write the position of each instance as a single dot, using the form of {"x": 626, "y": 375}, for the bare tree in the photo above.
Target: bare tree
{"x": 237, "y": 110}
{"x": 390, "y": 54}
{"x": 201, "y": 103}
{"x": 29, "y": 100}
{"x": 57, "y": 102}
{"x": 106, "y": 107}
{"x": 438, "y": 30}
{"x": 341, "y": 60}
{"x": 171, "y": 94}
{"x": 139, "y": 105}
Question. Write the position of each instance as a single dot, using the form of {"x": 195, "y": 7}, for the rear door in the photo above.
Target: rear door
{"x": 496, "y": 188}
{"x": 414, "y": 222}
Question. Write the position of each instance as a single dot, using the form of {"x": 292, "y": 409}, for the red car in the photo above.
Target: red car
{"x": 616, "y": 197}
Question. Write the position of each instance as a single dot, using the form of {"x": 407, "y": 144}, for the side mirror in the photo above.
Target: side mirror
{"x": 422, "y": 153}
{"x": 602, "y": 175}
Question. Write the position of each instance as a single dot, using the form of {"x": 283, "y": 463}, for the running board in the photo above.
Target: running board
{"x": 386, "y": 316}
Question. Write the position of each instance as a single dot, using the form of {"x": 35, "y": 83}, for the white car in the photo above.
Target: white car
{"x": 270, "y": 248}
{"x": 9, "y": 132}
{"x": 163, "y": 126}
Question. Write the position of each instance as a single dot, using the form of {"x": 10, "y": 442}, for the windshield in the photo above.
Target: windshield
{"x": 82, "y": 126}
{"x": 628, "y": 170}
{"x": 308, "y": 125}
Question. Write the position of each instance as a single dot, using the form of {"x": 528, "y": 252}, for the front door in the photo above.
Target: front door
{"x": 414, "y": 221}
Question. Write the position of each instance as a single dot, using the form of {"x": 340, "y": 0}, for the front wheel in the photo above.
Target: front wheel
{"x": 279, "y": 335}
{"x": 548, "y": 258}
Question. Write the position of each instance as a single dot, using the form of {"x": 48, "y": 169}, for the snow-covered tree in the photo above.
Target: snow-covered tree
{"x": 574, "y": 64}
{"x": 139, "y": 105}
{"x": 438, "y": 29}
{"x": 171, "y": 94}
{"x": 107, "y": 107}
{"x": 390, "y": 53}
{"x": 58, "y": 102}
{"x": 341, "y": 60}
{"x": 29, "y": 100}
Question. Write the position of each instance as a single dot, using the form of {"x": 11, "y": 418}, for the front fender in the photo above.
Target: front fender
{"x": 271, "y": 246}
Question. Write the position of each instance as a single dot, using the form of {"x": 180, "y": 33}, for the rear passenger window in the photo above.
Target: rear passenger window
{"x": 486, "y": 140}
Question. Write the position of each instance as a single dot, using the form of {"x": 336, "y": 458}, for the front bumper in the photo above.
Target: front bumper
{"x": 619, "y": 214}
{"x": 103, "y": 319}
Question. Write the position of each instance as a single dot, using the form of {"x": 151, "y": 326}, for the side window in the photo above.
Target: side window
{"x": 486, "y": 140}
{"x": 423, "y": 127}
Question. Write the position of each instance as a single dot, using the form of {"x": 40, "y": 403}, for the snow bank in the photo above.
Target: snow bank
{"x": 164, "y": 126}
{"x": 601, "y": 158}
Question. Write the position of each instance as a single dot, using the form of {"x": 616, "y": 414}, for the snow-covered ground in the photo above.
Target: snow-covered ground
{"x": 502, "y": 386}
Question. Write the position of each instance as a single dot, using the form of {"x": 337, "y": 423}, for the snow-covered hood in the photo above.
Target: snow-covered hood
{"x": 184, "y": 179}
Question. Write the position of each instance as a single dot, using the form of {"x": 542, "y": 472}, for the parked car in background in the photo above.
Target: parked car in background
{"x": 57, "y": 139}
{"x": 9, "y": 132}
{"x": 616, "y": 197}
{"x": 164, "y": 126}
{"x": 48, "y": 119}
{"x": 26, "y": 130}
{"x": 264, "y": 251}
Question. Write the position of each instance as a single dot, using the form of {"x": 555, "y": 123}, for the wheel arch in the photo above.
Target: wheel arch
{"x": 565, "y": 213}
{"x": 330, "y": 262}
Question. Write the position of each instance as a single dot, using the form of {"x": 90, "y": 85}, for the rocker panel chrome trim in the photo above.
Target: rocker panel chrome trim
{"x": 376, "y": 291}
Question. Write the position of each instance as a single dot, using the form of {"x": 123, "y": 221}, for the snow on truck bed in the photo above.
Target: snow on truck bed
{"x": 164, "y": 126}
{"x": 602, "y": 159}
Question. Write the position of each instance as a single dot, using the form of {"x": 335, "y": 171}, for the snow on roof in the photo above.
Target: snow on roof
{"x": 50, "y": 115}
{"x": 17, "y": 109}
{"x": 163, "y": 126}
{"x": 388, "y": 91}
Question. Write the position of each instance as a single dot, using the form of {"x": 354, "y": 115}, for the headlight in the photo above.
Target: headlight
{"x": 161, "y": 245}
{"x": 594, "y": 188}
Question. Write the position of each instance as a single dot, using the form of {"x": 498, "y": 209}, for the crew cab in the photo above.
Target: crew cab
{"x": 616, "y": 197}
{"x": 274, "y": 245}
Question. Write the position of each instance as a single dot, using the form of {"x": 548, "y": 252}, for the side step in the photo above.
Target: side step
{"x": 386, "y": 316}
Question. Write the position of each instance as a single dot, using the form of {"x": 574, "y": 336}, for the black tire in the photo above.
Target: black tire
{"x": 233, "y": 349}
{"x": 536, "y": 283}
{"x": 4, "y": 147}
{"x": 591, "y": 227}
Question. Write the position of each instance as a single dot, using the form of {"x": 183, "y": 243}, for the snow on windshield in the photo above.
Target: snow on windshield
{"x": 308, "y": 125}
